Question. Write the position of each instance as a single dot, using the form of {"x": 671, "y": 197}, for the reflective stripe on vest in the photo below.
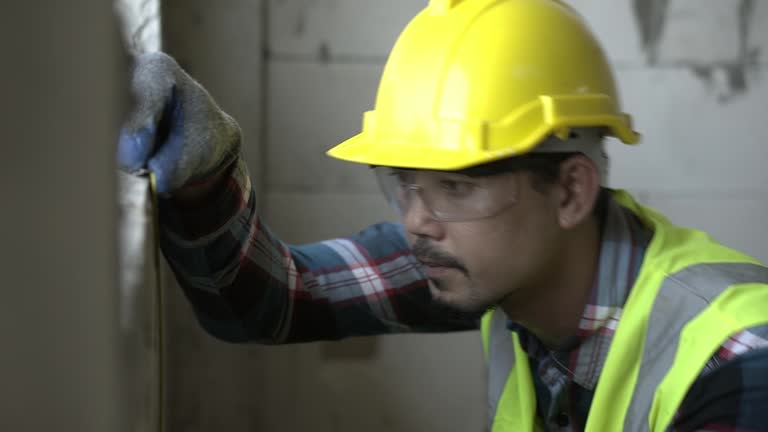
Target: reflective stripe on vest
{"x": 501, "y": 359}
{"x": 509, "y": 375}
{"x": 675, "y": 308}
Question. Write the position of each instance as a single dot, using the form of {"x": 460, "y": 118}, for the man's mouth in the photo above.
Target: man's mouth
{"x": 437, "y": 270}
{"x": 435, "y": 264}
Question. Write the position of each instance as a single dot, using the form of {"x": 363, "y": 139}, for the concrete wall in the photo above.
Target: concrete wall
{"x": 64, "y": 94}
{"x": 692, "y": 72}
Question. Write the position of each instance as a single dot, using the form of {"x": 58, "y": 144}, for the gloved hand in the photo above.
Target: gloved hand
{"x": 176, "y": 130}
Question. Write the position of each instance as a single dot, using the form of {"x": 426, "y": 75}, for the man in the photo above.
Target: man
{"x": 597, "y": 314}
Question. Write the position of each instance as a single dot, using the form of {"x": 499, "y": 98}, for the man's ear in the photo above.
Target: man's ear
{"x": 580, "y": 186}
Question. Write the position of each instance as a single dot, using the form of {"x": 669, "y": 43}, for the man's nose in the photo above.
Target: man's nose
{"x": 419, "y": 220}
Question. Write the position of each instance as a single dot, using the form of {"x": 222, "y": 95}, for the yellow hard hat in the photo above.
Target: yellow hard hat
{"x": 473, "y": 81}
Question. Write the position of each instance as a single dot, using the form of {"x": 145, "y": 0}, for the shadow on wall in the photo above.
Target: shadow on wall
{"x": 652, "y": 20}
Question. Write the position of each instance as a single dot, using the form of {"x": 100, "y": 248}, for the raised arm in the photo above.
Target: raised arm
{"x": 243, "y": 282}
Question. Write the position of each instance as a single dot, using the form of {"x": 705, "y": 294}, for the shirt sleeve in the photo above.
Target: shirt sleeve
{"x": 246, "y": 285}
{"x": 732, "y": 397}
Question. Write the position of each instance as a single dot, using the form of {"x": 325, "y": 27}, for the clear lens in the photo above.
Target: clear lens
{"x": 449, "y": 197}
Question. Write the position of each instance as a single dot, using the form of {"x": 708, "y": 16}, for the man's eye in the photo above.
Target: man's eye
{"x": 456, "y": 188}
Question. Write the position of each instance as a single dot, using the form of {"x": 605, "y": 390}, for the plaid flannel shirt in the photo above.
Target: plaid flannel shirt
{"x": 246, "y": 285}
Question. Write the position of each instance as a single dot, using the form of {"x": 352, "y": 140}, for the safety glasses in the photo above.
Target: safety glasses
{"x": 448, "y": 196}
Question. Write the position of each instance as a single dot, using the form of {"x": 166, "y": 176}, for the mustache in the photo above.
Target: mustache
{"x": 426, "y": 252}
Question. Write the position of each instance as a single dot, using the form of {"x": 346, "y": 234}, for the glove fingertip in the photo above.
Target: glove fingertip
{"x": 134, "y": 148}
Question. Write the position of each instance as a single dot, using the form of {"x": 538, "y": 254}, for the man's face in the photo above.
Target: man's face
{"x": 475, "y": 264}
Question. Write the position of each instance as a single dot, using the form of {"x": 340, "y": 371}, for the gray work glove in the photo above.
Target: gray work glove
{"x": 176, "y": 130}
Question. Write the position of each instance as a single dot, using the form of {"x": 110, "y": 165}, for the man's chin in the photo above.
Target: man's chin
{"x": 450, "y": 298}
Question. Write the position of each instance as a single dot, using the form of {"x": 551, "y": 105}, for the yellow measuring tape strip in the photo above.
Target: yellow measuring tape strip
{"x": 159, "y": 301}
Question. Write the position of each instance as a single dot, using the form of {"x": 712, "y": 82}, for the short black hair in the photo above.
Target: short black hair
{"x": 544, "y": 167}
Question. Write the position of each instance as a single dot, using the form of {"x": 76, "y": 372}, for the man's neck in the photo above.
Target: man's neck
{"x": 552, "y": 307}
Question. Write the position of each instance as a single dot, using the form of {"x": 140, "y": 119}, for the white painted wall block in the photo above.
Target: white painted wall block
{"x": 693, "y": 137}
{"x": 701, "y": 32}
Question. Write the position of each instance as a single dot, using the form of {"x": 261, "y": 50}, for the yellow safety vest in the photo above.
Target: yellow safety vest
{"x": 690, "y": 295}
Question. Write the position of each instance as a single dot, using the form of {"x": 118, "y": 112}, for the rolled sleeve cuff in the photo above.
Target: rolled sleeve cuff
{"x": 194, "y": 225}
